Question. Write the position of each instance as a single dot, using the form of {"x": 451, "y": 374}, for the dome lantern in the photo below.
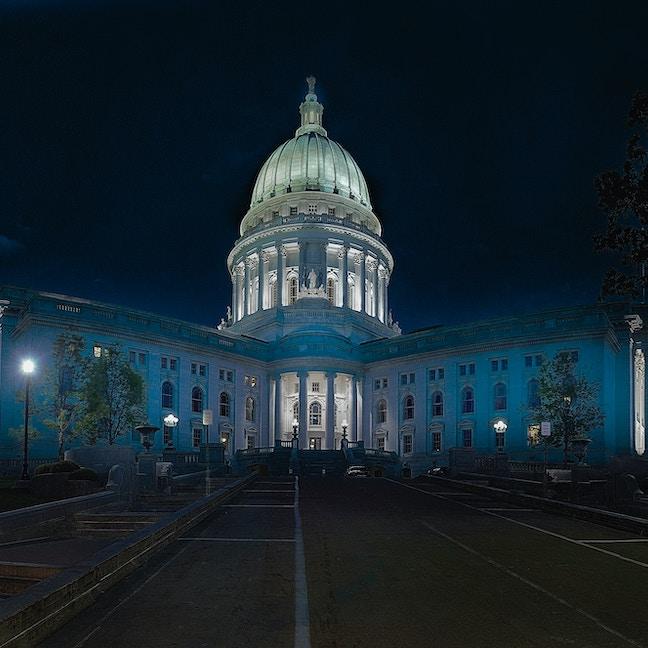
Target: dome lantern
{"x": 311, "y": 112}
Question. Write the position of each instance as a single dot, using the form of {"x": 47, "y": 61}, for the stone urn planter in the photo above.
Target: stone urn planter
{"x": 579, "y": 448}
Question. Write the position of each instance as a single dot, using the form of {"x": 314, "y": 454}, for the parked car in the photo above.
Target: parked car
{"x": 357, "y": 471}
{"x": 436, "y": 471}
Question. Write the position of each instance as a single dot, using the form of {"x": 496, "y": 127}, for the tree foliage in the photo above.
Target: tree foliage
{"x": 62, "y": 385}
{"x": 568, "y": 401}
{"x": 623, "y": 196}
{"x": 112, "y": 396}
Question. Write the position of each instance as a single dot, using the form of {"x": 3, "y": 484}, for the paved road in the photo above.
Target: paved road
{"x": 386, "y": 564}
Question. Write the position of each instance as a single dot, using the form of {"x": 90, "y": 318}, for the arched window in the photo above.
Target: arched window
{"x": 224, "y": 404}
{"x": 292, "y": 290}
{"x": 167, "y": 394}
{"x": 351, "y": 294}
{"x": 467, "y": 401}
{"x": 499, "y": 394}
{"x": 533, "y": 398}
{"x": 249, "y": 408}
{"x": 330, "y": 290}
{"x": 315, "y": 414}
{"x": 437, "y": 403}
{"x": 408, "y": 407}
{"x": 381, "y": 411}
{"x": 196, "y": 399}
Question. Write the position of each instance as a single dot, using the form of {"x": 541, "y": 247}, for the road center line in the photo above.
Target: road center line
{"x": 533, "y": 585}
{"x": 302, "y": 621}
{"x": 201, "y": 539}
{"x": 524, "y": 524}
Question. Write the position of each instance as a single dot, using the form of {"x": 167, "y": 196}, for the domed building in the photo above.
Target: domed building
{"x": 309, "y": 354}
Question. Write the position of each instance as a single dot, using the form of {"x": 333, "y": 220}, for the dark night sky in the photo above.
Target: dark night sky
{"x": 132, "y": 133}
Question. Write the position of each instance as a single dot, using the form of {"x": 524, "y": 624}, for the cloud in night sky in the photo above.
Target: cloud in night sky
{"x": 8, "y": 246}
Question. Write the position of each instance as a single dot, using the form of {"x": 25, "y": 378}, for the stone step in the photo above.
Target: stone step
{"x": 125, "y": 516}
{"x": 12, "y": 585}
{"x": 28, "y": 570}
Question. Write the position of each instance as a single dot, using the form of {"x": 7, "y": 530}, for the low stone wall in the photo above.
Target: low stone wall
{"x": 591, "y": 514}
{"x": 29, "y": 618}
{"x": 51, "y": 517}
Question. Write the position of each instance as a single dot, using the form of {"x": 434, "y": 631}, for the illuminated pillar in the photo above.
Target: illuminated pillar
{"x": 263, "y": 259}
{"x": 281, "y": 271}
{"x": 278, "y": 408}
{"x": 362, "y": 281}
{"x": 303, "y": 409}
{"x": 353, "y": 423}
{"x": 330, "y": 410}
{"x": 246, "y": 287}
{"x": 344, "y": 274}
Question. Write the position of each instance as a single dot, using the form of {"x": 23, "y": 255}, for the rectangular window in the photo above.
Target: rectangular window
{"x": 251, "y": 441}
{"x": 163, "y": 362}
{"x": 202, "y": 370}
{"x": 407, "y": 443}
{"x": 96, "y": 351}
{"x": 494, "y": 365}
{"x": 197, "y": 437}
{"x": 528, "y": 361}
{"x": 132, "y": 357}
{"x": 412, "y": 378}
{"x": 471, "y": 368}
{"x": 312, "y": 209}
{"x": 441, "y": 373}
{"x": 384, "y": 383}
{"x": 539, "y": 360}
{"x": 194, "y": 368}
{"x": 142, "y": 358}
{"x": 167, "y": 433}
{"x": 467, "y": 437}
{"x": 293, "y": 211}
{"x": 504, "y": 364}
{"x": 376, "y": 384}
{"x": 315, "y": 387}
{"x": 331, "y": 211}
{"x": 432, "y": 374}
{"x": 314, "y": 443}
{"x": 380, "y": 442}
{"x": 221, "y": 374}
{"x": 462, "y": 370}
{"x": 436, "y": 441}
{"x": 403, "y": 379}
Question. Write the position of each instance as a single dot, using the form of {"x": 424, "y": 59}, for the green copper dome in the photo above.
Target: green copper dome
{"x": 310, "y": 161}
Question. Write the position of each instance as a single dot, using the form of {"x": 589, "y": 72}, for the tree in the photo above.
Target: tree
{"x": 112, "y": 397}
{"x": 567, "y": 401}
{"x": 623, "y": 196}
{"x": 62, "y": 385}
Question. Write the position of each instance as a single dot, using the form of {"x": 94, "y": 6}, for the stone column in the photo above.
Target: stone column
{"x": 381, "y": 294}
{"x": 234, "y": 295}
{"x": 330, "y": 410}
{"x": 263, "y": 258}
{"x": 373, "y": 269}
{"x": 281, "y": 267}
{"x": 246, "y": 287}
{"x": 344, "y": 274}
{"x": 361, "y": 258}
{"x": 385, "y": 296}
{"x": 278, "y": 408}
{"x": 239, "y": 303}
{"x": 353, "y": 409}
{"x": 303, "y": 409}
{"x": 301, "y": 269}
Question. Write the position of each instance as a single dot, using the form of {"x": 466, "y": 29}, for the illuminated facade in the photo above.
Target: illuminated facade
{"x": 309, "y": 343}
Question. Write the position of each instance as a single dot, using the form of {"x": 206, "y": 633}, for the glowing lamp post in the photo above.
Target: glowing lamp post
{"x": 27, "y": 367}
{"x": 345, "y": 425}
{"x": 295, "y": 428}
{"x": 500, "y": 430}
{"x": 171, "y": 421}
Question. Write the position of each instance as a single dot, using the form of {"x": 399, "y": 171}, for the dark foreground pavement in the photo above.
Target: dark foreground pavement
{"x": 386, "y": 564}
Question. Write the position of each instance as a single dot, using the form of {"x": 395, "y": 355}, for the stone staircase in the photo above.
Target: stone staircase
{"x": 16, "y": 577}
{"x": 117, "y": 525}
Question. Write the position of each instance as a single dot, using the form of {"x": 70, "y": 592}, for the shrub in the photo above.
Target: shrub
{"x": 43, "y": 469}
{"x": 84, "y": 473}
{"x": 64, "y": 466}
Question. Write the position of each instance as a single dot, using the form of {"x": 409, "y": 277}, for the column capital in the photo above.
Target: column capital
{"x": 264, "y": 256}
{"x": 359, "y": 257}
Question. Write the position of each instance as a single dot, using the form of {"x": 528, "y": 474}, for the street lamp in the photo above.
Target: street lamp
{"x": 27, "y": 368}
{"x": 500, "y": 430}
{"x": 295, "y": 428}
{"x": 170, "y": 421}
{"x": 344, "y": 430}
